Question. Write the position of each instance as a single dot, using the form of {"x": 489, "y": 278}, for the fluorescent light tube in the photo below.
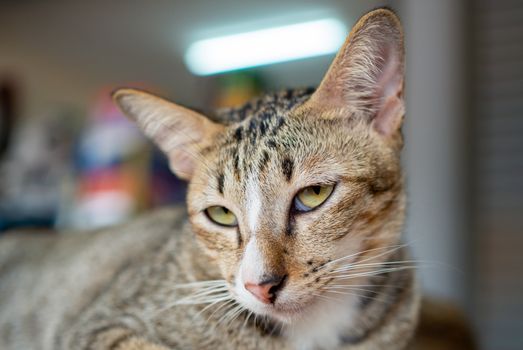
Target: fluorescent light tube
{"x": 266, "y": 46}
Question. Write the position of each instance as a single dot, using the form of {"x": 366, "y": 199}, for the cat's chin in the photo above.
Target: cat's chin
{"x": 287, "y": 315}
{"x": 282, "y": 315}
{"x": 284, "y": 312}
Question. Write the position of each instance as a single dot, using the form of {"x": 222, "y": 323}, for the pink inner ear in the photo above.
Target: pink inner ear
{"x": 181, "y": 163}
{"x": 389, "y": 91}
{"x": 388, "y": 119}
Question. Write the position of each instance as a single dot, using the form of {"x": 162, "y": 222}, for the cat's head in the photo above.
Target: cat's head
{"x": 298, "y": 186}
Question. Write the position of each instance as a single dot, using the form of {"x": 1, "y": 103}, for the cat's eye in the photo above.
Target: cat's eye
{"x": 311, "y": 197}
{"x": 221, "y": 216}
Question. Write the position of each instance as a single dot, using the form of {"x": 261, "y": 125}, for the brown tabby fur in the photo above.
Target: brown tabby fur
{"x": 349, "y": 284}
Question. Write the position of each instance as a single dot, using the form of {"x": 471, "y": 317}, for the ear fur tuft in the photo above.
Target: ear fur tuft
{"x": 366, "y": 77}
{"x": 179, "y": 132}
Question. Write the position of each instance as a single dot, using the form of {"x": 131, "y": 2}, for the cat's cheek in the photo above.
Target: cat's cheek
{"x": 221, "y": 248}
{"x": 228, "y": 263}
{"x": 208, "y": 242}
{"x": 316, "y": 233}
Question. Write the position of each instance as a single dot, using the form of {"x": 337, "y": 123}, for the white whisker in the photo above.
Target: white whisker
{"x": 375, "y": 273}
{"x": 225, "y": 304}
{"x": 201, "y": 283}
{"x": 389, "y": 249}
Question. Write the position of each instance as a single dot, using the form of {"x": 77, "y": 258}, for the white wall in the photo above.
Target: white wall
{"x": 435, "y": 153}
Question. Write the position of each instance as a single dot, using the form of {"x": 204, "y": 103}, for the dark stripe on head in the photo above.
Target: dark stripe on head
{"x": 290, "y": 225}
{"x": 279, "y": 123}
{"x": 271, "y": 144}
{"x": 252, "y": 125}
{"x": 266, "y": 116}
{"x": 253, "y": 131}
{"x": 221, "y": 180}
{"x": 238, "y": 133}
{"x": 263, "y": 128}
{"x": 237, "y": 165}
{"x": 287, "y": 167}
{"x": 264, "y": 160}
{"x": 239, "y": 237}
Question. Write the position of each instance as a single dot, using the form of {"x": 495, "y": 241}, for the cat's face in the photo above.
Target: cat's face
{"x": 305, "y": 186}
{"x": 300, "y": 192}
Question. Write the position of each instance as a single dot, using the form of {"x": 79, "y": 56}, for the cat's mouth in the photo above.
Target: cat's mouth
{"x": 285, "y": 309}
{"x": 289, "y": 303}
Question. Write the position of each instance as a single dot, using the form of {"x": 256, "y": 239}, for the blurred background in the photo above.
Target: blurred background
{"x": 68, "y": 159}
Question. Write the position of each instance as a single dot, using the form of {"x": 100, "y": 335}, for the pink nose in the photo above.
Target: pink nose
{"x": 267, "y": 290}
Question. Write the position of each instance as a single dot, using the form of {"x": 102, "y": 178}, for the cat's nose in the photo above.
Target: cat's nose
{"x": 266, "y": 291}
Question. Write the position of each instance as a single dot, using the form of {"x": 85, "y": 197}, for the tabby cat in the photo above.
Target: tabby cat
{"x": 291, "y": 238}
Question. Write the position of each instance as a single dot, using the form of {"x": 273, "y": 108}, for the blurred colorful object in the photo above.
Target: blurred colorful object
{"x": 113, "y": 173}
{"x": 112, "y": 166}
{"x": 237, "y": 88}
{"x": 165, "y": 187}
{"x": 119, "y": 173}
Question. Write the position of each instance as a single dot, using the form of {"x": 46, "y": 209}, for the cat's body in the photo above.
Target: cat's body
{"x": 98, "y": 290}
{"x": 291, "y": 239}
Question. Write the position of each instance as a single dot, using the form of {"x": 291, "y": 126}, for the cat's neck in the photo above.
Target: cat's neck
{"x": 384, "y": 313}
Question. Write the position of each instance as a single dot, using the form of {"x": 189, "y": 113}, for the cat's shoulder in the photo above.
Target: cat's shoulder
{"x": 146, "y": 230}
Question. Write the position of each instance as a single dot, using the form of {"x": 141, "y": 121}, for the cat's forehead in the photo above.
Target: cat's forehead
{"x": 264, "y": 107}
{"x": 257, "y": 146}
{"x": 276, "y": 145}
{"x": 273, "y": 147}
{"x": 257, "y": 142}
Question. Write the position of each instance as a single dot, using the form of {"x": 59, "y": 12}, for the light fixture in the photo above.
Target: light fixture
{"x": 265, "y": 46}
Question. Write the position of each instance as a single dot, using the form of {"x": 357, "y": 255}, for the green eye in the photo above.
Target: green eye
{"x": 311, "y": 197}
{"x": 221, "y": 216}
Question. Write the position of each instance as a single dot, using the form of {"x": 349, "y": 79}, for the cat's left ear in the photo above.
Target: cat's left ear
{"x": 366, "y": 77}
{"x": 179, "y": 132}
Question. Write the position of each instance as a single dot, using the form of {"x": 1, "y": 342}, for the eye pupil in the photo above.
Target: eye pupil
{"x": 225, "y": 210}
{"x": 316, "y": 189}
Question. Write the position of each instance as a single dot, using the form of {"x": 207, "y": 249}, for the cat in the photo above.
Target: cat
{"x": 291, "y": 238}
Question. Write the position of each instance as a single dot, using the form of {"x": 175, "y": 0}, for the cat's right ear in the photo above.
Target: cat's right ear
{"x": 366, "y": 78}
{"x": 179, "y": 132}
